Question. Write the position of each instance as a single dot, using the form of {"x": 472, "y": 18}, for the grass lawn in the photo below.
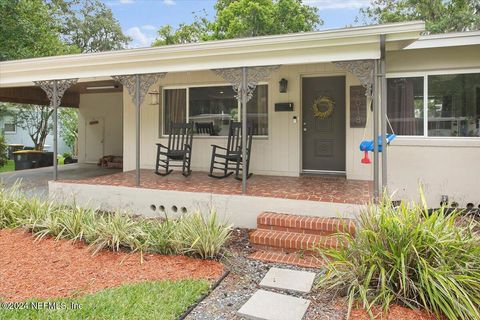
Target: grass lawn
{"x": 147, "y": 300}
{"x": 10, "y": 166}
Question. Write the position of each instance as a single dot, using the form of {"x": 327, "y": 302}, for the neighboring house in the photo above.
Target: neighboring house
{"x": 432, "y": 98}
{"x": 14, "y": 134}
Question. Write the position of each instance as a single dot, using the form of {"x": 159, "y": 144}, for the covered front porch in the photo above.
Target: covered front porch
{"x": 171, "y": 196}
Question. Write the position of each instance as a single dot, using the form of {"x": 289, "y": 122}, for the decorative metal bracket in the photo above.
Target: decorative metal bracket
{"x": 254, "y": 75}
{"x": 362, "y": 69}
{"x": 62, "y": 86}
{"x": 146, "y": 80}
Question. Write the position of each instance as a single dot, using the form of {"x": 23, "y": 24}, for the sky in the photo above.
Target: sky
{"x": 140, "y": 19}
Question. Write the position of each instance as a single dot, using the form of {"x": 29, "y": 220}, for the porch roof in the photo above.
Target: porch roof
{"x": 309, "y": 47}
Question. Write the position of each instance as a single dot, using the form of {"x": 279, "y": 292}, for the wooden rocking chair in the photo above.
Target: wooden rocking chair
{"x": 179, "y": 149}
{"x": 223, "y": 158}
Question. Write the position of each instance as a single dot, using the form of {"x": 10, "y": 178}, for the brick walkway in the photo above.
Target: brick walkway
{"x": 312, "y": 188}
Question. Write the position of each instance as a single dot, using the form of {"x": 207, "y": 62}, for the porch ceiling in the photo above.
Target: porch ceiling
{"x": 71, "y": 98}
{"x": 310, "y": 47}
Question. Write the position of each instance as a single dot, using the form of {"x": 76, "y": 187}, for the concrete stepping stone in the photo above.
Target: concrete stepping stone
{"x": 286, "y": 279}
{"x": 266, "y": 305}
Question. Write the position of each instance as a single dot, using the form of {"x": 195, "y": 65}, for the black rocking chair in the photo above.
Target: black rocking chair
{"x": 179, "y": 149}
{"x": 223, "y": 157}
{"x": 205, "y": 128}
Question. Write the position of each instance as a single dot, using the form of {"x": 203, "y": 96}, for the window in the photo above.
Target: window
{"x": 212, "y": 108}
{"x": 453, "y": 105}
{"x": 9, "y": 125}
{"x": 405, "y": 105}
{"x": 450, "y": 107}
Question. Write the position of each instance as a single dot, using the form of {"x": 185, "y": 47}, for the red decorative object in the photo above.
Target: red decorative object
{"x": 366, "y": 159}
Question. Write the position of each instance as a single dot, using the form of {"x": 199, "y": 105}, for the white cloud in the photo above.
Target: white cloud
{"x": 139, "y": 38}
{"x": 338, "y": 4}
{"x": 149, "y": 27}
{"x": 126, "y": 1}
{"x": 169, "y": 2}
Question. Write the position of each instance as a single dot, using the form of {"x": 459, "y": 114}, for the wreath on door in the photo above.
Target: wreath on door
{"x": 323, "y": 107}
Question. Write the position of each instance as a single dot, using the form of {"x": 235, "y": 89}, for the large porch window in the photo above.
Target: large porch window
{"x": 212, "y": 107}
{"x": 445, "y": 105}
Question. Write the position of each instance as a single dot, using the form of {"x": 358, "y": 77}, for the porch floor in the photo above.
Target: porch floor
{"x": 314, "y": 188}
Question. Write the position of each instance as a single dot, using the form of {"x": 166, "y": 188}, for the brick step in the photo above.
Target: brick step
{"x": 285, "y": 258}
{"x": 304, "y": 224}
{"x": 291, "y": 241}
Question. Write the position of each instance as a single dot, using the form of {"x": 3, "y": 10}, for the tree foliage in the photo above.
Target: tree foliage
{"x": 35, "y": 119}
{"x": 244, "y": 18}
{"x": 439, "y": 15}
{"x": 68, "y": 119}
{"x": 89, "y": 25}
{"x": 3, "y": 151}
{"x": 27, "y": 30}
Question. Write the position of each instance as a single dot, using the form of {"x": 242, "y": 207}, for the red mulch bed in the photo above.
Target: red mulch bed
{"x": 49, "y": 268}
{"x": 395, "y": 313}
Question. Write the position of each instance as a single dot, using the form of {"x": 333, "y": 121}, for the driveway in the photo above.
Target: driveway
{"x": 34, "y": 182}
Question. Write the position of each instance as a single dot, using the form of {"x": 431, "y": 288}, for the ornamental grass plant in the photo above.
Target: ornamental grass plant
{"x": 192, "y": 234}
{"x": 409, "y": 256}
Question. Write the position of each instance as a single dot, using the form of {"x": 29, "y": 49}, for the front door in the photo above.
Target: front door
{"x": 94, "y": 136}
{"x": 323, "y": 121}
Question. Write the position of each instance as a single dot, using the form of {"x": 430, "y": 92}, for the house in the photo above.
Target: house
{"x": 16, "y": 135}
{"x": 346, "y": 85}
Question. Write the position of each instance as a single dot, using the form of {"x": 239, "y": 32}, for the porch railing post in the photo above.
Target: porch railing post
{"x": 137, "y": 130}
{"x": 55, "y": 129}
{"x": 244, "y": 128}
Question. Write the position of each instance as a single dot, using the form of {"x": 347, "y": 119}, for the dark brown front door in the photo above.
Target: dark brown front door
{"x": 323, "y": 123}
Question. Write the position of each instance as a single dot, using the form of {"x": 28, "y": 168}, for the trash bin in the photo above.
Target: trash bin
{"x": 11, "y": 148}
{"x": 27, "y": 159}
{"x": 46, "y": 159}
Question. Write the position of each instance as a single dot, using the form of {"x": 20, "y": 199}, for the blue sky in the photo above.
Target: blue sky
{"x": 141, "y": 18}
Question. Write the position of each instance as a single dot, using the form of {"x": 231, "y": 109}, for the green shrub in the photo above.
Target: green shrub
{"x": 408, "y": 256}
{"x": 3, "y": 151}
{"x": 114, "y": 231}
{"x": 201, "y": 236}
{"x": 159, "y": 235}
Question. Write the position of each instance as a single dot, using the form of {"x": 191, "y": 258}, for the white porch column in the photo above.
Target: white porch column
{"x": 55, "y": 90}
{"x": 137, "y": 86}
{"x": 383, "y": 109}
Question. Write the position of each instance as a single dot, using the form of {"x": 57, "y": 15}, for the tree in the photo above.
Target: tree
{"x": 89, "y": 25}
{"x": 27, "y": 30}
{"x": 35, "y": 119}
{"x": 68, "y": 118}
{"x": 244, "y": 18}
{"x": 439, "y": 15}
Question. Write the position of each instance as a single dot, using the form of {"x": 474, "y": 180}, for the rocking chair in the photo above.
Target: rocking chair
{"x": 179, "y": 149}
{"x": 222, "y": 157}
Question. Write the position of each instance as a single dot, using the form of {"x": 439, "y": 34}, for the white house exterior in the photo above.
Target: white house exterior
{"x": 432, "y": 101}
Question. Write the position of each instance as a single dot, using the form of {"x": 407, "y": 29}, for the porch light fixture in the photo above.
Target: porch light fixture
{"x": 283, "y": 85}
{"x": 154, "y": 97}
